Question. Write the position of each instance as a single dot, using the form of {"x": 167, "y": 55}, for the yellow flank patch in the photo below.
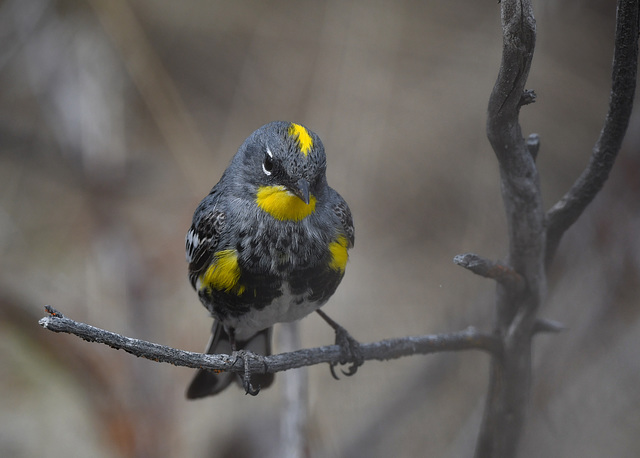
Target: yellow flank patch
{"x": 224, "y": 273}
{"x": 282, "y": 204}
{"x": 339, "y": 254}
{"x": 305, "y": 142}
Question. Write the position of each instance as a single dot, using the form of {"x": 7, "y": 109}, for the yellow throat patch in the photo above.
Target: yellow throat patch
{"x": 224, "y": 273}
{"x": 282, "y": 204}
{"x": 305, "y": 142}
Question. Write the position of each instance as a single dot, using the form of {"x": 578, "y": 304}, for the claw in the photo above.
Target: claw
{"x": 248, "y": 387}
{"x": 352, "y": 369}
{"x": 350, "y": 351}
{"x": 332, "y": 368}
{"x": 246, "y": 376}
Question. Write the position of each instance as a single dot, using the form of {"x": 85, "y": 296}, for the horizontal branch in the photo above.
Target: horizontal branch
{"x": 468, "y": 339}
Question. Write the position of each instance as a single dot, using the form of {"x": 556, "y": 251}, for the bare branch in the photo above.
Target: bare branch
{"x": 490, "y": 269}
{"x": 468, "y": 339}
{"x": 516, "y": 156}
{"x": 625, "y": 62}
{"x": 528, "y": 97}
{"x": 510, "y": 375}
{"x": 534, "y": 236}
{"x": 533, "y": 144}
{"x": 544, "y": 325}
{"x": 508, "y": 95}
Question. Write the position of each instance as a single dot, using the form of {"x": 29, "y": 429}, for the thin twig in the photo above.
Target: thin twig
{"x": 625, "y": 63}
{"x": 468, "y": 339}
{"x": 490, "y": 269}
{"x": 544, "y": 325}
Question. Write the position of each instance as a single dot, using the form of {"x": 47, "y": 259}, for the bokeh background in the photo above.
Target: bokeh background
{"x": 117, "y": 117}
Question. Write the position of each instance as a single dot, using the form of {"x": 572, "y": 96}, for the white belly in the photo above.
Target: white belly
{"x": 285, "y": 308}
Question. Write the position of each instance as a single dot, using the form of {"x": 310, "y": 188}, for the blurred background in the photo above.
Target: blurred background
{"x": 117, "y": 117}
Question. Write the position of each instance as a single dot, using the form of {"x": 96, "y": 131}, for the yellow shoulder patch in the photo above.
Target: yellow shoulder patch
{"x": 283, "y": 205}
{"x": 224, "y": 273}
{"x": 339, "y": 254}
{"x": 305, "y": 142}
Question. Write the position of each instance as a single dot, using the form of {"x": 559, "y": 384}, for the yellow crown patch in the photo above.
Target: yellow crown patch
{"x": 305, "y": 142}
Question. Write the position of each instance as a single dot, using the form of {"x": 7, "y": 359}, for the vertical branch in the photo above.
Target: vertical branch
{"x": 518, "y": 173}
{"x": 295, "y": 397}
{"x": 510, "y": 375}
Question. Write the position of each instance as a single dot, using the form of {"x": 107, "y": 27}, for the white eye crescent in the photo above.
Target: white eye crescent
{"x": 267, "y": 164}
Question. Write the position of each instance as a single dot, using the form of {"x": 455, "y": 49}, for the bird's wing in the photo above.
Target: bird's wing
{"x": 341, "y": 209}
{"x": 203, "y": 237}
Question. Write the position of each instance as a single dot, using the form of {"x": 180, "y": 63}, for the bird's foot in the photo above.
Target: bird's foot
{"x": 246, "y": 357}
{"x": 350, "y": 351}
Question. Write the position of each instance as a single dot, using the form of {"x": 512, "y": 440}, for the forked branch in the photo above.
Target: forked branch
{"x": 534, "y": 235}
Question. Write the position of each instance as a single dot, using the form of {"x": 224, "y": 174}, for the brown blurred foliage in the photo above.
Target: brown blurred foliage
{"x": 117, "y": 117}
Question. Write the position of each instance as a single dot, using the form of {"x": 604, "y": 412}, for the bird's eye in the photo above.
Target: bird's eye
{"x": 267, "y": 164}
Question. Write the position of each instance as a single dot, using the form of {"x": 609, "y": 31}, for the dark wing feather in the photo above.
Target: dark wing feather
{"x": 341, "y": 209}
{"x": 202, "y": 238}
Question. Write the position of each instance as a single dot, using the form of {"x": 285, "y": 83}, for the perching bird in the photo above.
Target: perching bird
{"x": 269, "y": 244}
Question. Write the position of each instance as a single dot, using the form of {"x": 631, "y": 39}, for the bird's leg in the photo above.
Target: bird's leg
{"x": 231, "y": 332}
{"x": 350, "y": 351}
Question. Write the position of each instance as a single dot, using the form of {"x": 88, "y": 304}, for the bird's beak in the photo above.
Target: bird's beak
{"x": 301, "y": 189}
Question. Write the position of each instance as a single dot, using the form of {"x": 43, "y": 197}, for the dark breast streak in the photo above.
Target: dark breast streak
{"x": 268, "y": 258}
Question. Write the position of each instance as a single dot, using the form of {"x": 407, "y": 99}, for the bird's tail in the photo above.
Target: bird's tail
{"x": 209, "y": 383}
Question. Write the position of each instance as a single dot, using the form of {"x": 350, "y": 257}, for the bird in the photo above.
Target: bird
{"x": 268, "y": 244}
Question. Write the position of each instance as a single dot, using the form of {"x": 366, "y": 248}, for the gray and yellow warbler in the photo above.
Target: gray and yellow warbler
{"x": 268, "y": 244}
